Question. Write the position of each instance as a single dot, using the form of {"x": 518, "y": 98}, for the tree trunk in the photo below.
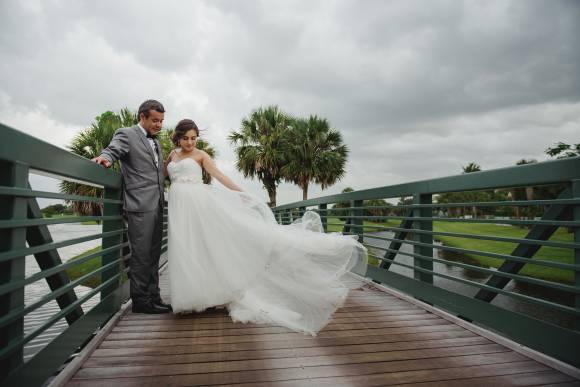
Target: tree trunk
{"x": 272, "y": 195}
{"x": 305, "y": 192}
{"x": 530, "y": 193}
{"x": 530, "y": 196}
{"x": 515, "y": 208}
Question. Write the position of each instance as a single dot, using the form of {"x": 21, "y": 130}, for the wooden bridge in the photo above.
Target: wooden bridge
{"x": 377, "y": 338}
{"x": 417, "y": 320}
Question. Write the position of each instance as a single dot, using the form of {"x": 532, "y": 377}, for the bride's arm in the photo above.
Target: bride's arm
{"x": 213, "y": 170}
{"x": 167, "y": 161}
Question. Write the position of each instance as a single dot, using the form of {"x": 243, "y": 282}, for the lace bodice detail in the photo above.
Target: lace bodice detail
{"x": 185, "y": 171}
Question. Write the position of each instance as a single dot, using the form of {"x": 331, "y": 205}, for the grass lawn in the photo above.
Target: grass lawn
{"x": 537, "y": 271}
{"x": 86, "y": 267}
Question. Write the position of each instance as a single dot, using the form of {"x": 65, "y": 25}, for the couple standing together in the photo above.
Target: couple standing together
{"x": 224, "y": 245}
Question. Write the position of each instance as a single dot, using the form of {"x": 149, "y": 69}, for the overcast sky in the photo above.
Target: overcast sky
{"x": 417, "y": 88}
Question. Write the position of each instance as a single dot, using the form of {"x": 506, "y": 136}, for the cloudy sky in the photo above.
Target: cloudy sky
{"x": 418, "y": 88}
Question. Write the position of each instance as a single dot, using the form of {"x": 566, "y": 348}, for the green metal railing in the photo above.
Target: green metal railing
{"x": 410, "y": 246}
{"x": 23, "y": 232}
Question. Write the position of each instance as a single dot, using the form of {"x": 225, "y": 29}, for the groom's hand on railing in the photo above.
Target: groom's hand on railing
{"x": 102, "y": 161}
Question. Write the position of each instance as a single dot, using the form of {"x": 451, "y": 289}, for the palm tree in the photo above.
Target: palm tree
{"x": 470, "y": 168}
{"x": 562, "y": 150}
{"x": 315, "y": 153}
{"x": 529, "y": 190}
{"x": 259, "y": 147}
{"x": 89, "y": 143}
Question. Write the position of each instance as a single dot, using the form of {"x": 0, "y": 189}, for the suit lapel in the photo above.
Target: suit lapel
{"x": 146, "y": 144}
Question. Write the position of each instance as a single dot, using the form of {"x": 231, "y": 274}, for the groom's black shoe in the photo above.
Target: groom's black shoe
{"x": 149, "y": 308}
{"x": 159, "y": 303}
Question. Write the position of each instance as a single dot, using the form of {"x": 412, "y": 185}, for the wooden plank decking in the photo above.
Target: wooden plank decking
{"x": 375, "y": 339}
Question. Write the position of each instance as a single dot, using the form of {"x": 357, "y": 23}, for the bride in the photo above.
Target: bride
{"x": 225, "y": 248}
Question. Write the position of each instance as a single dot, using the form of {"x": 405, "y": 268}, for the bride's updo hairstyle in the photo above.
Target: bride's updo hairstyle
{"x": 183, "y": 127}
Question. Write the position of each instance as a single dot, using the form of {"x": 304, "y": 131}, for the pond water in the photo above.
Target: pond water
{"x": 38, "y": 289}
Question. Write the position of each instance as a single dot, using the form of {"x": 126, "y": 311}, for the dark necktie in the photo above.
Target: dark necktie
{"x": 153, "y": 137}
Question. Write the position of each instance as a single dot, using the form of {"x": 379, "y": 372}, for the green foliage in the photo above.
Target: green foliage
{"x": 273, "y": 147}
{"x": 55, "y": 209}
{"x": 562, "y": 150}
{"x": 259, "y": 147}
{"x": 88, "y": 143}
{"x": 314, "y": 153}
{"x": 370, "y": 211}
{"x": 471, "y": 167}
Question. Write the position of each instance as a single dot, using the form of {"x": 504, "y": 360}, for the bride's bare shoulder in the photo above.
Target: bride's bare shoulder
{"x": 202, "y": 154}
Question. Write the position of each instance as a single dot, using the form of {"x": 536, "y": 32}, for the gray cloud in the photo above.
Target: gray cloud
{"x": 405, "y": 81}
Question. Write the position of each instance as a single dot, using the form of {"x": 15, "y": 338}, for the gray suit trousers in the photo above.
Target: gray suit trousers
{"x": 145, "y": 234}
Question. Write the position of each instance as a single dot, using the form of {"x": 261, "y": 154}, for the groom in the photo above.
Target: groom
{"x": 139, "y": 152}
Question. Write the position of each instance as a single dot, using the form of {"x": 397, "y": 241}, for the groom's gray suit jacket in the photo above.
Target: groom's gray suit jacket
{"x": 143, "y": 204}
{"x": 142, "y": 180}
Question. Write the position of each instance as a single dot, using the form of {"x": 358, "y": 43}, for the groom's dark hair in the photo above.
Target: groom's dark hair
{"x": 148, "y": 105}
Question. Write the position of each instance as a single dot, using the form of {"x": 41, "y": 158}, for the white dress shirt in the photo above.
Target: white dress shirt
{"x": 152, "y": 143}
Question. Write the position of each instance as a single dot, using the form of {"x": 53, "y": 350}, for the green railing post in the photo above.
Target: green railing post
{"x": 357, "y": 222}
{"x": 323, "y": 216}
{"x": 576, "y": 217}
{"x": 426, "y": 225}
{"x": 111, "y": 225}
{"x": 12, "y": 208}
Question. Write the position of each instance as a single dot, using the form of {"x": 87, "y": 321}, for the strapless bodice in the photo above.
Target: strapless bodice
{"x": 185, "y": 171}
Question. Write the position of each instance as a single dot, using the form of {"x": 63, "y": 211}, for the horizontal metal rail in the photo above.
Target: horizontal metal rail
{"x": 57, "y": 269}
{"x": 45, "y": 222}
{"x": 8, "y": 318}
{"x": 564, "y": 245}
{"x": 14, "y": 346}
{"x": 563, "y": 223}
{"x": 534, "y": 261}
{"x": 537, "y": 301}
{"x": 29, "y": 193}
{"x": 56, "y": 245}
{"x": 507, "y": 203}
{"x": 523, "y": 278}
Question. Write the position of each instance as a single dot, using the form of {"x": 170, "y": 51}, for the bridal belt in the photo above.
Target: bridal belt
{"x": 190, "y": 180}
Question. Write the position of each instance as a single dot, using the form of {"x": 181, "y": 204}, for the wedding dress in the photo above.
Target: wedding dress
{"x": 225, "y": 247}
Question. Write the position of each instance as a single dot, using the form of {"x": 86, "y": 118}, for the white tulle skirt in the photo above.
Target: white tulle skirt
{"x": 225, "y": 247}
